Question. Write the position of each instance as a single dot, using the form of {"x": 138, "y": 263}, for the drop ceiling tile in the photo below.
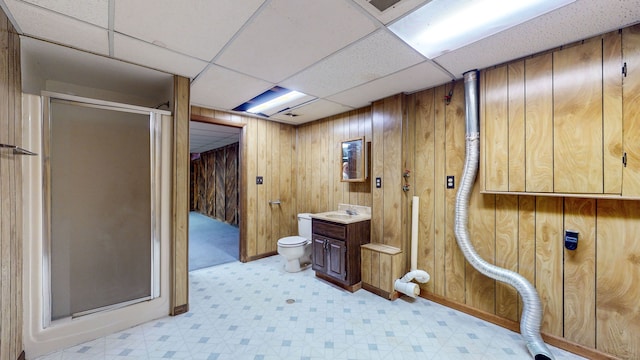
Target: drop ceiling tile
{"x": 193, "y": 27}
{"x": 574, "y": 22}
{"x": 44, "y": 24}
{"x": 220, "y": 88}
{"x": 375, "y": 56}
{"x": 140, "y": 52}
{"x": 318, "y": 109}
{"x": 422, "y": 76}
{"x": 289, "y": 35}
{"x": 95, "y": 12}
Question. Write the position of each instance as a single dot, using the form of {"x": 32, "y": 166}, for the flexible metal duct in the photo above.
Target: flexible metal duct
{"x": 532, "y": 311}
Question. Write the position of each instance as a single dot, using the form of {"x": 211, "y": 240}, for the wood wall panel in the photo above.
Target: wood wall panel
{"x": 392, "y": 170}
{"x": 631, "y": 110}
{"x": 423, "y": 122}
{"x": 10, "y": 194}
{"x": 580, "y": 273}
{"x": 516, "y": 126}
{"x": 618, "y": 271}
{"x": 526, "y": 241}
{"x": 220, "y": 185}
{"x": 454, "y": 162}
{"x": 440, "y": 192}
{"x": 180, "y": 244}
{"x": 549, "y": 269}
{"x": 506, "y": 253}
{"x": 577, "y": 119}
{"x": 231, "y": 184}
{"x": 481, "y": 290}
{"x": 496, "y": 147}
{"x": 215, "y": 179}
{"x": 539, "y": 123}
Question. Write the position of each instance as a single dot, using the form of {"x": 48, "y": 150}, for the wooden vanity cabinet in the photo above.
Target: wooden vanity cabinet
{"x": 336, "y": 251}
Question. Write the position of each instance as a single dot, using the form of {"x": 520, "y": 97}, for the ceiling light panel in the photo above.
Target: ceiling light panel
{"x": 195, "y": 28}
{"x": 44, "y": 24}
{"x": 156, "y": 57}
{"x": 95, "y": 12}
{"x": 288, "y": 36}
{"x": 422, "y": 76}
{"x": 574, "y": 22}
{"x": 378, "y": 55}
{"x": 442, "y": 26}
{"x": 206, "y": 90}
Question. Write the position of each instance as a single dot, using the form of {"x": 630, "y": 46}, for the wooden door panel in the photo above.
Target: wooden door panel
{"x": 539, "y": 123}
{"x": 577, "y": 119}
{"x": 496, "y": 141}
{"x": 631, "y": 110}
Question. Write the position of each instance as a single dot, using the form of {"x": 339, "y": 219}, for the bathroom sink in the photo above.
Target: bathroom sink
{"x": 340, "y": 216}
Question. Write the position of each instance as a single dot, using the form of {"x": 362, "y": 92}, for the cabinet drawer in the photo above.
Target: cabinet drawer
{"x": 331, "y": 230}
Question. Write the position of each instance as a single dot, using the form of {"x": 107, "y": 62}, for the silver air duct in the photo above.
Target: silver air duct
{"x": 532, "y": 311}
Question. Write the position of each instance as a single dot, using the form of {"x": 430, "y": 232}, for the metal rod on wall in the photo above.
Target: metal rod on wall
{"x": 17, "y": 150}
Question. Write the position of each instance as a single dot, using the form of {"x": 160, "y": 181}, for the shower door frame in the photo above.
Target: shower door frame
{"x": 155, "y": 155}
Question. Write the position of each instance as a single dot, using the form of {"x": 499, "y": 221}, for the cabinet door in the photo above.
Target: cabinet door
{"x": 631, "y": 111}
{"x": 337, "y": 253}
{"x": 319, "y": 254}
{"x": 577, "y": 119}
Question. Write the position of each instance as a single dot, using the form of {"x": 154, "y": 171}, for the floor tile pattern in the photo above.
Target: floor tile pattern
{"x": 257, "y": 311}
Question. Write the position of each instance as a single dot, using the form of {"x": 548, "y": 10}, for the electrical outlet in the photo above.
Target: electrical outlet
{"x": 259, "y": 180}
{"x": 450, "y": 182}
{"x": 378, "y": 182}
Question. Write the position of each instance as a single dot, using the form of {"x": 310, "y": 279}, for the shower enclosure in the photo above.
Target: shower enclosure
{"x": 100, "y": 168}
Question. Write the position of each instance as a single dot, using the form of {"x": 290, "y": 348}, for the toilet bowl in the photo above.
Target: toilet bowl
{"x": 296, "y": 250}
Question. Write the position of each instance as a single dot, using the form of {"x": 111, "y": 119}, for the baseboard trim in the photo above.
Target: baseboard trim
{"x": 180, "y": 309}
{"x": 258, "y": 257}
{"x": 553, "y": 340}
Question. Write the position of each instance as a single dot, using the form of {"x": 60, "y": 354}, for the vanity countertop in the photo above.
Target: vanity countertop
{"x": 346, "y": 214}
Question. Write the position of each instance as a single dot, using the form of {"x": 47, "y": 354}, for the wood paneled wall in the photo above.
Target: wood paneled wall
{"x": 214, "y": 183}
{"x": 319, "y": 161}
{"x": 11, "y": 221}
{"x": 267, "y": 149}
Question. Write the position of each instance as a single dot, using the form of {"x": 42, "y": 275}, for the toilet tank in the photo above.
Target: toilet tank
{"x": 304, "y": 225}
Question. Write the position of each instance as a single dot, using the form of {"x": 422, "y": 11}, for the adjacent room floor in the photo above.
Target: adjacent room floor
{"x": 211, "y": 242}
{"x": 257, "y": 311}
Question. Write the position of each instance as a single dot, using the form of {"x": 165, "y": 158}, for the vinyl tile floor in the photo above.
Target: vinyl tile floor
{"x": 257, "y": 311}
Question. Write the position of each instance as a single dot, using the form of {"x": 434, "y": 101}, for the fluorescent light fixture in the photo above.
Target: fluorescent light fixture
{"x": 290, "y": 96}
{"x": 441, "y": 26}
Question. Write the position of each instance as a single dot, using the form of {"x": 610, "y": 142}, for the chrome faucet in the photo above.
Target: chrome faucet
{"x": 351, "y": 212}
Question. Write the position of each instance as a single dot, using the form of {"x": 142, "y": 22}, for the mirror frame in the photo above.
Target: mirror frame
{"x": 361, "y": 166}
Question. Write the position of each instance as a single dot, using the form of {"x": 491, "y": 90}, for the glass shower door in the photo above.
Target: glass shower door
{"x": 99, "y": 166}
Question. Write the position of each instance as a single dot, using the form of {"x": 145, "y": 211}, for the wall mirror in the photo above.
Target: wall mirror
{"x": 354, "y": 160}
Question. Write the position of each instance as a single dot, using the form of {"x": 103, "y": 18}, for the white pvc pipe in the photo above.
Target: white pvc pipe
{"x": 407, "y": 288}
{"x": 414, "y": 233}
{"x": 404, "y": 284}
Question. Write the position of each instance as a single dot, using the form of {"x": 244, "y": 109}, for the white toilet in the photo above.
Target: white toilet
{"x": 296, "y": 250}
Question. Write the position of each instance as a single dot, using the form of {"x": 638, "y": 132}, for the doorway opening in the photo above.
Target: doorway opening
{"x": 214, "y": 217}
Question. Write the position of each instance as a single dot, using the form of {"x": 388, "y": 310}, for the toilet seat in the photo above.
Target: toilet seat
{"x": 292, "y": 241}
